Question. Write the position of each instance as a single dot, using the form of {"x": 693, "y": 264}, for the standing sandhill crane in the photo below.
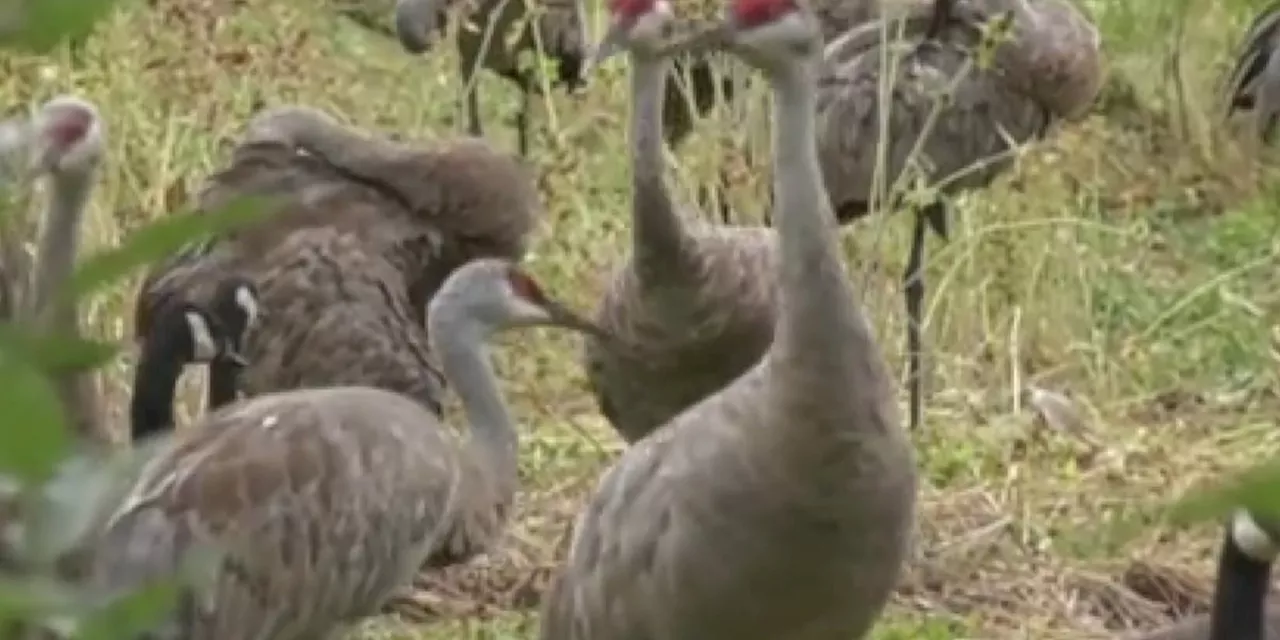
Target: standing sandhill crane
{"x": 1049, "y": 70}
{"x": 1239, "y": 610}
{"x": 698, "y": 301}
{"x": 782, "y": 505}
{"x": 325, "y": 500}
{"x": 1254, "y": 83}
{"x": 183, "y": 334}
{"x": 488, "y": 39}
{"x": 366, "y": 232}
{"x": 64, "y": 141}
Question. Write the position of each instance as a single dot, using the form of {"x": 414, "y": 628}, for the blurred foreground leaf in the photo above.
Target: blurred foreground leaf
{"x": 54, "y": 354}
{"x": 160, "y": 239}
{"x": 1257, "y": 489}
{"x": 33, "y": 431}
{"x": 38, "y": 26}
{"x": 30, "y": 597}
{"x": 82, "y": 495}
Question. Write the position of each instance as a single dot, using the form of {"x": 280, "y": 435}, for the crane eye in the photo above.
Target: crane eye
{"x": 525, "y": 287}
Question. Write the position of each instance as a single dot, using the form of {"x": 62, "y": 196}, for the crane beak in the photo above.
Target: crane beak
{"x": 559, "y": 315}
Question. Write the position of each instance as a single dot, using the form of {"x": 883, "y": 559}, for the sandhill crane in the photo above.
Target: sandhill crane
{"x": 1254, "y": 82}
{"x": 63, "y": 141}
{"x": 1049, "y": 70}
{"x": 185, "y": 333}
{"x": 487, "y": 39}
{"x": 366, "y": 233}
{"x": 325, "y": 500}
{"x": 1239, "y": 610}
{"x": 697, "y": 301}
{"x": 782, "y": 505}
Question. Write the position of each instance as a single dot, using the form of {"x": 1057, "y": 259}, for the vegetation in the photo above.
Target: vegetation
{"x": 1129, "y": 262}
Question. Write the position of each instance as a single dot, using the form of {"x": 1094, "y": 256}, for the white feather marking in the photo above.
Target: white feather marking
{"x": 270, "y": 421}
{"x": 248, "y": 303}
{"x": 203, "y": 346}
{"x": 1252, "y": 539}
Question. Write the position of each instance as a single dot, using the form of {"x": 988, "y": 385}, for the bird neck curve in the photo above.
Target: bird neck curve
{"x": 657, "y": 231}
{"x": 155, "y": 384}
{"x": 817, "y": 301}
{"x": 49, "y": 309}
{"x": 460, "y": 342}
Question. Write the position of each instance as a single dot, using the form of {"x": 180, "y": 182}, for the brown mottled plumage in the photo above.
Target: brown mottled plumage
{"x": 1050, "y": 69}
{"x": 326, "y": 500}
{"x": 365, "y": 234}
{"x": 487, "y": 40}
{"x": 1254, "y": 83}
{"x": 781, "y": 506}
{"x": 1239, "y": 610}
{"x": 696, "y": 301}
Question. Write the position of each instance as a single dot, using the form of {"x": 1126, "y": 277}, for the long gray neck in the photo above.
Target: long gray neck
{"x": 460, "y": 344}
{"x": 658, "y": 234}
{"x": 820, "y": 323}
{"x": 59, "y": 246}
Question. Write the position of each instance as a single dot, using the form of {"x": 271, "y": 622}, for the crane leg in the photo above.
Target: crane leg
{"x": 522, "y": 122}
{"x": 473, "y": 112}
{"x": 914, "y": 290}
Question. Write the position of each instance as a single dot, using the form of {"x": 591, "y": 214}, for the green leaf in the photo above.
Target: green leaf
{"x": 30, "y": 597}
{"x": 1257, "y": 489}
{"x": 42, "y": 25}
{"x": 132, "y": 614}
{"x": 54, "y": 354}
{"x": 159, "y": 239}
{"x": 33, "y": 433}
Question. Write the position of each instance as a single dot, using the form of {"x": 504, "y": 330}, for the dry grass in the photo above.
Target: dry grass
{"x": 1130, "y": 262}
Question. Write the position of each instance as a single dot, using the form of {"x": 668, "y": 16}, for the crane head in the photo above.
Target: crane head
{"x": 634, "y": 25}
{"x": 68, "y": 136}
{"x": 493, "y": 294}
{"x": 64, "y": 136}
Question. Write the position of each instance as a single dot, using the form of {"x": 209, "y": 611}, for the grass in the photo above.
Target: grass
{"x": 1129, "y": 262}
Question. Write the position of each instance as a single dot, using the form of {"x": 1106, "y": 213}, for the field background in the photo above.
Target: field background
{"x": 1129, "y": 263}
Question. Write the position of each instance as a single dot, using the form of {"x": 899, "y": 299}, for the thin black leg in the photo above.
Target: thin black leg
{"x": 914, "y": 281}
{"x": 522, "y": 122}
{"x": 473, "y": 112}
{"x": 223, "y": 383}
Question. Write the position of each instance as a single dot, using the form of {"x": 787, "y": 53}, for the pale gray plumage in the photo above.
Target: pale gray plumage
{"x": 1049, "y": 70}
{"x": 781, "y": 506}
{"x": 487, "y": 39}
{"x": 365, "y": 232}
{"x": 326, "y": 500}
{"x": 696, "y": 301}
{"x": 64, "y": 141}
{"x": 1254, "y": 83}
{"x": 1239, "y": 610}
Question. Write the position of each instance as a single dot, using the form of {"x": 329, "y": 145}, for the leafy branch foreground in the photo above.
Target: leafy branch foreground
{"x": 58, "y": 492}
